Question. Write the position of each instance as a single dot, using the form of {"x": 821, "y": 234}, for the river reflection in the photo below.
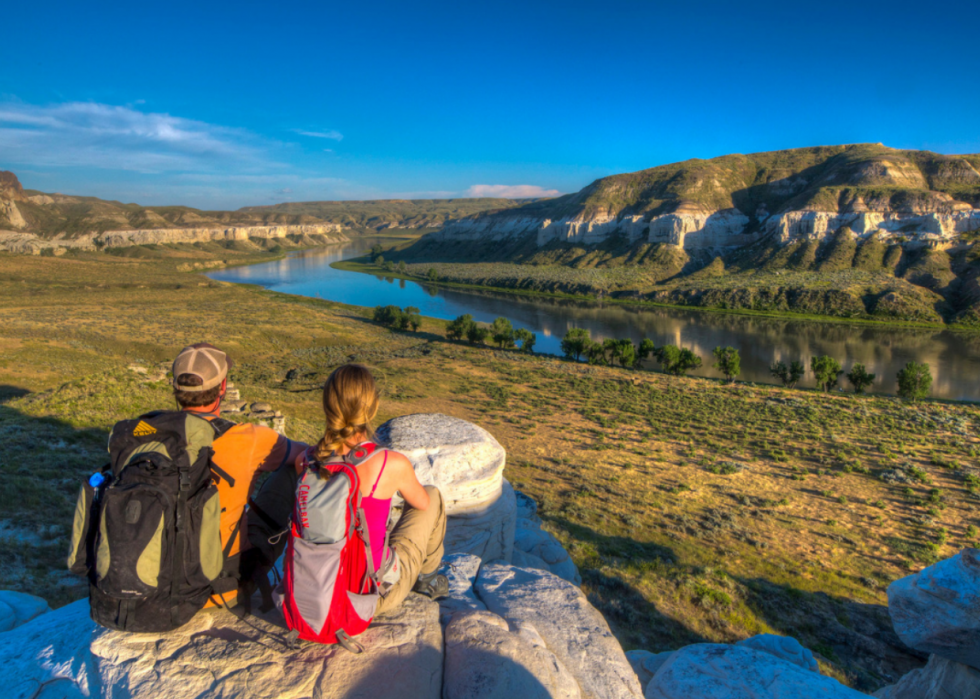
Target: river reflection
{"x": 954, "y": 358}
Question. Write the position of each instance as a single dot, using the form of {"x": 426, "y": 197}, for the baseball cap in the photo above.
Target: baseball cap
{"x": 205, "y": 362}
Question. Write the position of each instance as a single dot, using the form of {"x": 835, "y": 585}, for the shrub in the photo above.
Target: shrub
{"x": 728, "y": 362}
{"x": 526, "y": 338}
{"x": 376, "y": 253}
{"x": 432, "y": 275}
{"x": 595, "y": 353}
{"x": 860, "y": 378}
{"x": 624, "y": 352}
{"x": 389, "y": 266}
{"x": 788, "y": 375}
{"x": 575, "y": 343}
{"x": 379, "y": 261}
{"x": 402, "y": 267}
{"x": 914, "y": 381}
{"x": 502, "y": 332}
{"x": 646, "y": 349}
{"x": 457, "y": 329}
{"x": 477, "y": 334}
{"x": 826, "y": 370}
{"x": 971, "y": 532}
{"x": 677, "y": 361}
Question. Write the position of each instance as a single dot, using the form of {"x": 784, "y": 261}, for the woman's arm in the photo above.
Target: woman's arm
{"x": 408, "y": 482}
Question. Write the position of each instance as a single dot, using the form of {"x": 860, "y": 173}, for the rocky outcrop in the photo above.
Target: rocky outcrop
{"x": 467, "y": 465}
{"x": 939, "y": 679}
{"x": 937, "y": 610}
{"x": 26, "y": 243}
{"x": 17, "y": 608}
{"x": 536, "y": 548}
{"x": 719, "y": 671}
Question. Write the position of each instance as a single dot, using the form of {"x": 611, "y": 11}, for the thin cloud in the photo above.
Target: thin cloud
{"x": 510, "y": 191}
{"x": 89, "y": 134}
{"x": 332, "y": 135}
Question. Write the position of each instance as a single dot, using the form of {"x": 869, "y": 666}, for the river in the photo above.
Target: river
{"x": 954, "y": 358}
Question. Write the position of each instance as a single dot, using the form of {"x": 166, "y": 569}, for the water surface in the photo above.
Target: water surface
{"x": 953, "y": 357}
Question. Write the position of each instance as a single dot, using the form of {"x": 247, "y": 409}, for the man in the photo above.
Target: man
{"x": 242, "y": 453}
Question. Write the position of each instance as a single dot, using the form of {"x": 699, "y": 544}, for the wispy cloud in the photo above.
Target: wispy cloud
{"x": 511, "y": 191}
{"x": 123, "y": 138}
{"x": 332, "y": 135}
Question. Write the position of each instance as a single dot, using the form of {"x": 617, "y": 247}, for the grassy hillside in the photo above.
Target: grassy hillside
{"x": 386, "y": 213}
{"x": 695, "y": 510}
{"x": 825, "y": 178}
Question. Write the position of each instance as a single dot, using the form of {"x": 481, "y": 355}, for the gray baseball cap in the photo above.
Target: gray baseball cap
{"x": 205, "y": 363}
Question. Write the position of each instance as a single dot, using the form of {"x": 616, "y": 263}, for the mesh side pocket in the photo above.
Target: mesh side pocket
{"x": 314, "y": 575}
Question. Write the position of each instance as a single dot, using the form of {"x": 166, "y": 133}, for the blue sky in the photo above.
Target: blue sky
{"x": 225, "y": 105}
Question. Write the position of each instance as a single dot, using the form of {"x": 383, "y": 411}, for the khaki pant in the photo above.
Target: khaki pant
{"x": 417, "y": 539}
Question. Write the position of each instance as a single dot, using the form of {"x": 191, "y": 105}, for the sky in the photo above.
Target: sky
{"x": 218, "y": 105}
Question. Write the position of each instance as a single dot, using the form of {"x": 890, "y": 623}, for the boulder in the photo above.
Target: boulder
{"x": 486, "y": 659}
{"x": 233, "y": 406}
{"x": 937, "y": 610}
{"x": 570, "y": 627}
{"x": 939, "y": 679}
{"x": 261, "y": 408}
{"x": 217, "y": 654}
{"x": 466, "y": 463}
{"x": 785, "y": 647}
{"x": 461, "y": 569}
{"x": 645, "y": 664}
{"x": 536, "y": 543}
{"x": 720, "y": 671}
{"x": 18, "y": 608}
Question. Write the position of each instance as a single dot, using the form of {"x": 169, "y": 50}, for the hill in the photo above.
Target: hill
{"x": 866, "y": 222}
{"x": 30, "y": 220}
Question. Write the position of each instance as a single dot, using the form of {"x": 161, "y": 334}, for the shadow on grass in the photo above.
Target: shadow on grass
{"x": 856, "y": 637}
{"x": 635, "y": 621}
{"x": 42, "y": 463}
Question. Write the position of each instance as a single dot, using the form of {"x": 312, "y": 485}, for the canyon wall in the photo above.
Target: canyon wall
{"x": 30, "y": 244}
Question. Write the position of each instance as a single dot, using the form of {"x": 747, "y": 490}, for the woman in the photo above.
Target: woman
{"x": 350, "y": 403}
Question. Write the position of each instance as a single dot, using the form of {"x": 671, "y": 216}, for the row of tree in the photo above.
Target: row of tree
{"x": 398, "y": 319}
{"x": 389, "y": 266}
{"x": 500, "y": 331}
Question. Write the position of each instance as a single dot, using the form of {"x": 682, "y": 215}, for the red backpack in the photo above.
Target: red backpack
{"x": 329, "y": 591}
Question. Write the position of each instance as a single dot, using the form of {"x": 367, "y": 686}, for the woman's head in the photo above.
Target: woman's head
{"x": 350, "y": 402}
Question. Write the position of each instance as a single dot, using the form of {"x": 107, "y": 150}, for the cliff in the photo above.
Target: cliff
{"x": 734, "y": 201}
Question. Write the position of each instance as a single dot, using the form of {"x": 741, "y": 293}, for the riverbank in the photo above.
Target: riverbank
{"x": 695, "y": 510}
{"x": 419, "y": 274}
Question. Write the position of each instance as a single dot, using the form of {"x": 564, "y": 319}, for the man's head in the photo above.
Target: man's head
{"x": 200, "y": 372}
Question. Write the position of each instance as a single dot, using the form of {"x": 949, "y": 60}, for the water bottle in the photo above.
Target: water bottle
{"x": 96, "y": 480}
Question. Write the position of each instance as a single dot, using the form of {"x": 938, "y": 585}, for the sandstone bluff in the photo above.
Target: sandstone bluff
{"x": 514, "y": 625}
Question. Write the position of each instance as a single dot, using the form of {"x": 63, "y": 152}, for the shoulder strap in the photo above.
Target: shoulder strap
{"x": 362, "y": 452}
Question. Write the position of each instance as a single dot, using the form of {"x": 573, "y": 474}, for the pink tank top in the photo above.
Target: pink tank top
{"x": 376, "y": 512}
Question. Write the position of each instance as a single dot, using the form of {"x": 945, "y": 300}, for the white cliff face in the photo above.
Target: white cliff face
{"x": 719, "y": 230}
{"x": 30, "y": 244}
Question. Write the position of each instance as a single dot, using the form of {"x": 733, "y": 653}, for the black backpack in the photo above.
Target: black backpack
{"x": 147, "y": 536}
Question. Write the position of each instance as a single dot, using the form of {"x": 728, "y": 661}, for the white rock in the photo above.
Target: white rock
{"x": 531, "y": 539}
{"x": 18, "y": 608}
{"x": 785, "y": 647}
{"x": 719, "y": 671}
{"x": 645, "y": 664}
{"x": 571, "y": 627}
{"x": 939, "y": 679}
{"x": 485, "y": 659}
{"x": 218, "y": 655}
{"x": 937, "y": 610}
{"x": 466, "y": 463}
{"x": 461, "y": 569}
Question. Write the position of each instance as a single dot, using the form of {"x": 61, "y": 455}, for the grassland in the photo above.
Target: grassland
{"x": 695, "y": 510}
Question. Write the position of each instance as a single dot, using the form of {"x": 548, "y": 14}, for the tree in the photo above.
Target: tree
{"x": 526, "y": 338}
{"x": 625, "y": 353}
{"x": 477, "y": 334}
{"x": 376, "y": 251}
{"x": 646, "y": 349}
{"x": 728, "y": 362}
{"x": 914, "y": 381}
{"x": 379, "y": 261}
{"x": 456, "y": 330}
{"x": 826, "y": 370}
{"x": 389, "y": 266}
{"x": 596, "y": 354}
{"x": 677, "y": 361}
{"x": 575, "y": 342}
{"x": 789, "y": 375}
{"x": 402, "y": 267}
{"x": 388, "y": 315}
{"x": 502, "y": 332}
{"x": 860, "y": 378}
{"x": 432, "y": 274}
{"x": 413, "y": 317}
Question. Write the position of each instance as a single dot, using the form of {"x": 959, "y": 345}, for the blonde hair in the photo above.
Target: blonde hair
{"x": 350, "y": 402}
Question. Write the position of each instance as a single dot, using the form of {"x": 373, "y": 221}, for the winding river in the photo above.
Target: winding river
{"x": 953, "y": 357}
